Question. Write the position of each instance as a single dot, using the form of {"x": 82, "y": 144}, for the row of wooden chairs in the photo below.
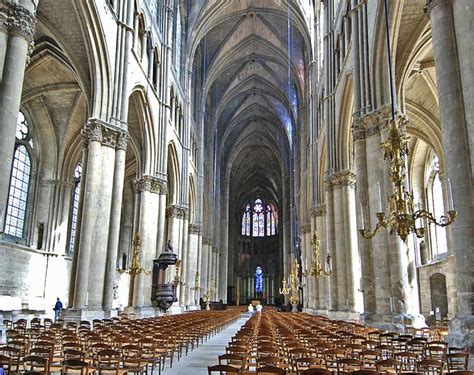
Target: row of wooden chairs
{"x": 109, "y": 346}
{"x": 298, "y": 342}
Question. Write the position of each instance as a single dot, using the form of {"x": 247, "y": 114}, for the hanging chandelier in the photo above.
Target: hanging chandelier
{"x": 403, "y": 218}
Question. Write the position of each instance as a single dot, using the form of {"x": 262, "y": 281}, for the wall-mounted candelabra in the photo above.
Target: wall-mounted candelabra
{"x": 135, "y": 268}
{"x": 291, "y": 286}
{"x": 316, "y": 268}
{"x": 403, "y": 218}
{"x": 196, "y": 287}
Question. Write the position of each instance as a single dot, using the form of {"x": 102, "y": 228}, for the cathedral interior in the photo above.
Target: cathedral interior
{"x": 315, "y": 155}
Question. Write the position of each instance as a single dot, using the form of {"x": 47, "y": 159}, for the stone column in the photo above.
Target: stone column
{"x": 322, "y": 282}
{"x": 115, "y": 216}
{"x": 17, "y": 26}
{"x": 184, "y": 256}
{"x": 456, "y": 150}
{"x": 362, "y": 208}
{"x": 191, "y": 264}
{"x": 331, "y": 245}
{"x": 176, "y": 217}
{"x": 149, "y": 189}
{"x": 92, "y": 134}
{"x": 206, "y": 242}
{"x": 348, "y": 180}
{"x": 380, "y": 251}
{"x": 161, "y": 235}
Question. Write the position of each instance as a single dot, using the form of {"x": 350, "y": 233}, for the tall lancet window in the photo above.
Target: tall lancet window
{"x": 74, "y": 207}
{"x": 259, "y": 219}
{"x": 20, "y": 180}
{"x": 259, "y": 280}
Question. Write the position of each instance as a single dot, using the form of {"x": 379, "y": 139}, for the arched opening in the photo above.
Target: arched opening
{"x": 439, "y": 295}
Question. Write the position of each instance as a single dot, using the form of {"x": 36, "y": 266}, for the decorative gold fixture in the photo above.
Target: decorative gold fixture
{"x": 207, "y": 298}
{"x": 284, "y": 290}
{"x": 196, "y": 282}
{"x": 177, "y": 280}
{"x": 136, "y": 267}
{"x": 294, "y": 283}
{"x": 403, "y": 216}
{"x": 316, "y": 268}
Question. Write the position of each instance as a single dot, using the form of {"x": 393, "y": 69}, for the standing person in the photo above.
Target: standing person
{"x": 57, "y": 309}
{"x": 250, "y": 310}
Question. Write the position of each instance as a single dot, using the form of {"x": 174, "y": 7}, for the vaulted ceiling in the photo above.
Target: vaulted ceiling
{"x": 250, "y": 61}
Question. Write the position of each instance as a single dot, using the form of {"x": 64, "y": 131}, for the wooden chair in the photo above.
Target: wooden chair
{"x": 222, "y": 370}
{"x": 430, "y": 366}
{"x": 36, "y": 363}
{"x": 5, "y": 363}
{"x": 304, "y": 363}
{"x": 108, "y": 362}
{"x": 365, "y": 372}
{"x": 464, "y": 372}
{"x": 348, "y": 365}
{"x": 389, "y": 366}
{"x": 457, "y": 361}
{"x": 264, "y": 370}
{"x": 317, "y": 371}
{"x": 409, "y": 361}
{"x": 234, "y": 360}
{"x": 76, "y": 367}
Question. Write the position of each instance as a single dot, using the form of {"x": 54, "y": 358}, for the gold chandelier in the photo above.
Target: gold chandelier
{"x": 403, "y": 217}
{"x": 292, "y": 285}
{"x": 316, "y": 268}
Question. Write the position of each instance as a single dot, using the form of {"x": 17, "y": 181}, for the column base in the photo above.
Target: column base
{"x": 461, "y": 334}
{"x": 322, "y": 312}
{"x": 308, "y": 310}
{"x": 194, "y": 308}
{"x": 391, "y": 322}
{"x": 143, "y": 311}
{"x": 344, "y": 315}
{"x": 76, "y": 315}
{"x": 176, "y": 309}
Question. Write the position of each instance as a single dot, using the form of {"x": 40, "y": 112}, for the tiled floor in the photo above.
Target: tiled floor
{"x": 196, "y": 361}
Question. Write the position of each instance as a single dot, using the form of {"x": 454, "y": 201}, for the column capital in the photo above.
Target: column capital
{"x": 305, "y": 228}
{"x": 150, "y": 183}
{"x": 340, "y": 179}
{"x": 107, "y": 134}
{"x": 358, "y": 130}
{"x": 17, "y": 20}
{"x": 175, "y": 211}
{"x": 319, "y": 210}
{"x": 431, "y": 4}
{"x": 194, "y": 229}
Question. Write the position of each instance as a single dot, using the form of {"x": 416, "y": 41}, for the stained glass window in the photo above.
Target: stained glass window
{"x": 75, "y": 206}
{"x": 259, "y": 280}
{"x": 259, "y": 219}
{"x": 19, "y": 182}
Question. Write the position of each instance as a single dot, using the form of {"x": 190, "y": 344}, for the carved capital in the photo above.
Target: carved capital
{"x": 358, "y": 130}
{"x": 343, "y": 178}
{"x": 4, "y": 15}
{"x": 21, "y": 22}
{"x": 178, "y": 212}
{"x": 149, "y": 183}
{"x": 320, "y": 210}
{"x": 92, "y": 131}
{"x": 194, "y": 229}
{"x": 122, "y": 141}
{"x": 305, "y": 228}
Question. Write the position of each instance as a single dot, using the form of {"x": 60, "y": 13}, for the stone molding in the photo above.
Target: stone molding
{"x": 358, "y": 131}
{"x": 194, "y": 229}
{"x": 431, "y": 4}
{"x": 177, "y": 212}
{"x": 108, "y": 135}
{"x": 56, "y": 182}
{"x": 17, "y": 20}
{"x": 149, "y": 183}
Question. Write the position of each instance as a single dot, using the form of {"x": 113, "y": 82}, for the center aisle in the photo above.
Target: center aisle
{"x": 196, "y": 361}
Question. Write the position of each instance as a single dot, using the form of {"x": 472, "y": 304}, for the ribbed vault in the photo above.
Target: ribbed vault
{"x": 249, "y": 63}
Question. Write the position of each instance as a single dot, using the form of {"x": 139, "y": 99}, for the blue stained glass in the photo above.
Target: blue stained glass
{"x": 259, "y": 280}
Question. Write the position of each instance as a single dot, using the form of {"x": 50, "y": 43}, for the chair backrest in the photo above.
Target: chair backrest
{"x": 393, "y": 365}
{"x": 35, "y": 363}
{"x": 430, "y": 366}
{"x": 457, "y": 361}
{"x": 271, "y": 370}
{"x": 317, "y": 371}
{"x": 75, "y": 366}
{"x": 222, "y": 369}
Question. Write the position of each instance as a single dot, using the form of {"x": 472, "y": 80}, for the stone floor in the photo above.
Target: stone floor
{"x": 196, "y": 361}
